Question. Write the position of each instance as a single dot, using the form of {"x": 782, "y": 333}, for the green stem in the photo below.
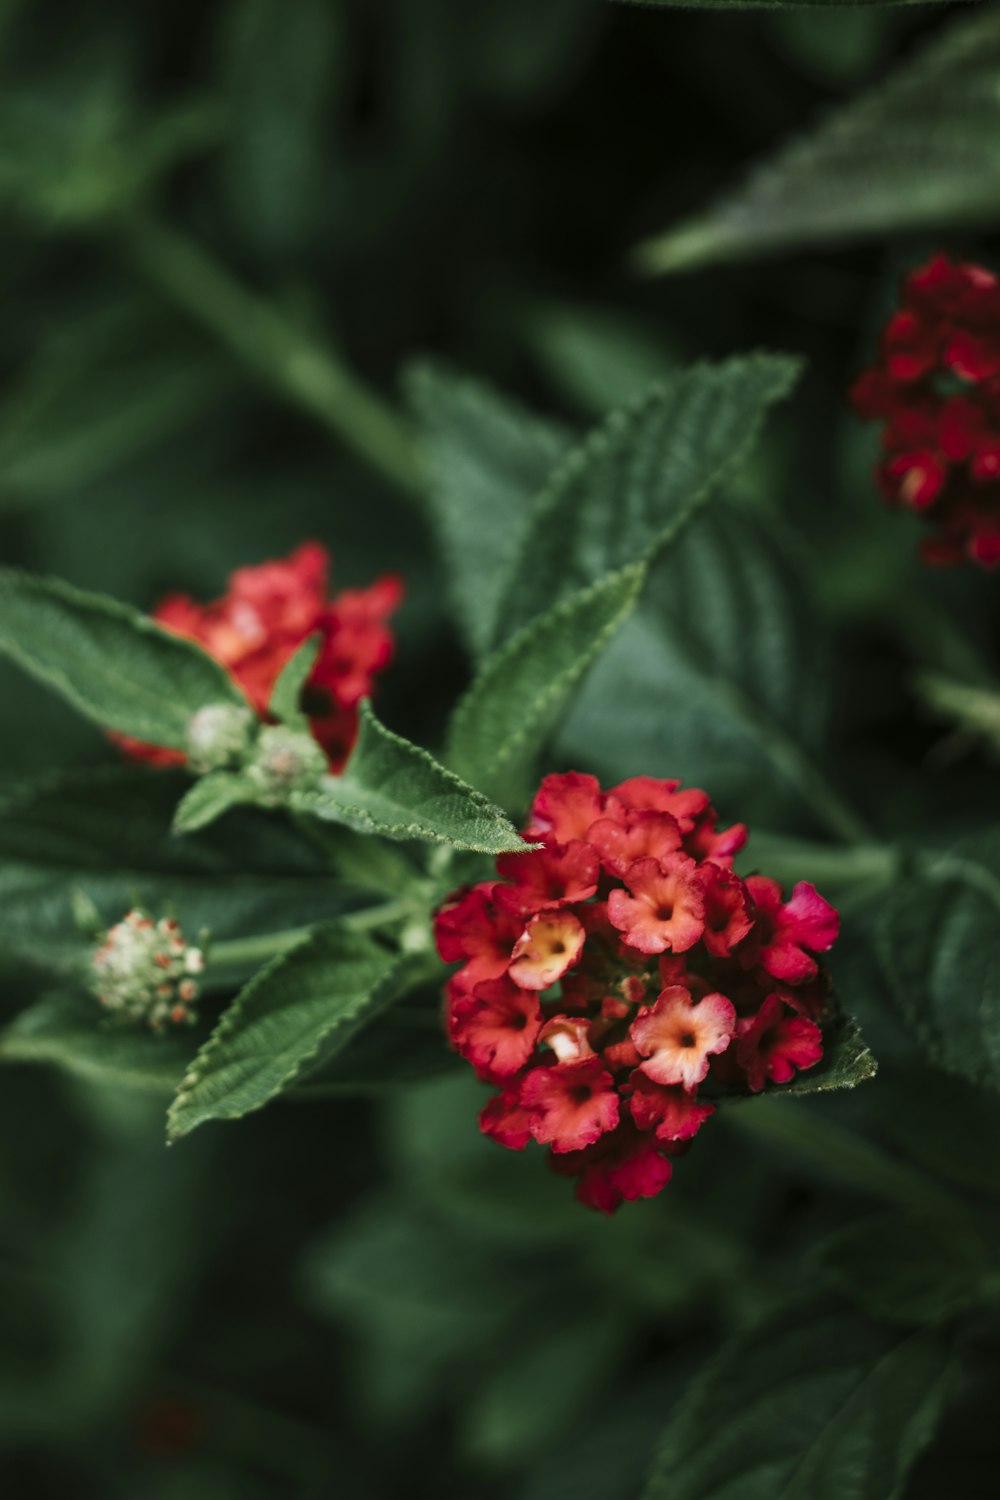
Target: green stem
{"x": 828, "y": 866}
{"x": 242, "y": 952}
{"x": 276, "y": 349}
{"x": 843, "y": 1156}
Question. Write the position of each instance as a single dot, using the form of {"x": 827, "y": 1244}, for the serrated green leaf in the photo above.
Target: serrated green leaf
{"x": 503, "y": 721}
{"x": 286, "y": 696}
{"x": 210, "y": 797}
{"x": 719, "y": 679}
{"x": 919, "y": 150}
{"x": 318, "y": 994}
{"x": 108, "y": 834}
{"x": 486, "y": 457}
{"x": 939, "y": 941}
{"x": 395, "y": 789}
{"x": 913, "y": 1271}
{"x": 112, "y": 663}
{"x": 638, "y": 478}
{"x": 67, "y": 1031}
{"x": 857, "y": 1406}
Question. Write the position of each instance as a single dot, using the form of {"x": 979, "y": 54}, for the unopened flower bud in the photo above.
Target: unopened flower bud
{"x": 141, "y": 973}
{"x": 219, "y": 735}
{"x": 285, "y": 760}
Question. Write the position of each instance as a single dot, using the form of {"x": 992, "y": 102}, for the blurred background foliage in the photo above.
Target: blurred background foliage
{"x": 359, "y": 1295}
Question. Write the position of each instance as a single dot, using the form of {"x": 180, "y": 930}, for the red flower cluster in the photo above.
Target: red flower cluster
{"x": 266, "y": 614}
{"x": 616, "y": 976}
{"x": 937, "y": 389}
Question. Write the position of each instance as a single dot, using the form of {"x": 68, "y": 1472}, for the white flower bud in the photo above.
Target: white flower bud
{"x": 219, "y": 735}
{"x": 141, "y": 972}
{"x": 285, "y": 760}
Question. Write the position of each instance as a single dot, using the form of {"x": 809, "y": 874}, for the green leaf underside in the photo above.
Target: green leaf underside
{"x": 107, "y": 833}
{"x": 637, "y": 478}
{"x": 487, "y": 457}
{"x": 920, "y": 150}
{"x": 67, "y": 1031}
{"x": 504, "y": 719}
{"x": 940, "y": 946}
{"x": 857, "y": 1406}
{"x": 319, "y": 994}
{"x": 719, "y": 678}
{"x": 286, "y": 695}
{"x": 112, "y": 663}
{"x": 395, "y": 789}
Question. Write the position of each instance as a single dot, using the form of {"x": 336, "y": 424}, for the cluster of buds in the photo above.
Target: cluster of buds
{"x": 144, "y": 972}
{"x": 616, "y": 979}
{"x": 936, "y": 388}
{"x": 266, "y": 614}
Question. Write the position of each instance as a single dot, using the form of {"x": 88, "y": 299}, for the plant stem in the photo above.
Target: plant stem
{"x": 827, "y": 865}
{"x": 276, "y": 349}
{"x": 241, "y": 952}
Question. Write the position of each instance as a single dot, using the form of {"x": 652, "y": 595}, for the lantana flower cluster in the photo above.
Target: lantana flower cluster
{"x": 936, "y": 388}
{"x": 260, "y": 622}
{"x": 617, "y": 979}
{"x": 144, "y": 972}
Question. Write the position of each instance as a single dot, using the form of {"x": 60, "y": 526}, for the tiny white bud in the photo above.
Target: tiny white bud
{"x": 219, "y": 735}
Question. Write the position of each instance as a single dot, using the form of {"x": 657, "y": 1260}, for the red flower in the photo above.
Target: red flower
{"x": 790, "y": 932}
{"x": 609, "y": 975}
{"x": 677, "y": 1036}
{"x": 942, "y": 449}
{"x": 474, "y": 927}
{"x": 496, "y": 1026}
{"x": 664, "y": 905}
{"x": 570, "y": 1105}
{"x": 775, "y": 1042}
{"x": 623, "y": 1166}
{"x": 260, "y": 622}
{"x": 671, "y": 1112}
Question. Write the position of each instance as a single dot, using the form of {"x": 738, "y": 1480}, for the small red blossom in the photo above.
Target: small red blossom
{"x": 775, "y": 1043}
{"x": 678, "y": 1035}
{"x": 790, "y": 932}
{"x": 942, "y": 446}
{"x": 259, "y": 623}
{"x": 610, "y": 978}
{"x": 570, "y": 1106}
{"x": 496, "y": 1026}
{"x": 663, "y": 905}
{"x": 549, "y": 945}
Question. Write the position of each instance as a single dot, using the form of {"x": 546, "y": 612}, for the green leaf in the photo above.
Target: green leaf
{"x": 286, "y": 695}
{"x": 908, "y": 1270}
{"x": 486, "y": 458}
{"x": 637, "y": 478}
{"x": 318, "y": 994}
{"x": 777, "y": 4}
{"x": 210, "y": 797}
{"x": 918, "y": 151}
{"x": 932, "y": 1117}
{"x": 68, "y": 1031}
{"x": 856, "y": 1405}
{"x": 939, "y": 940}
{"x": 395, "y": 789}
{"x": 107, "y": 833}
{"x": 504, "y": 719}
{"x": 720, "y": 678}
{"x": 110, "y": 662}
